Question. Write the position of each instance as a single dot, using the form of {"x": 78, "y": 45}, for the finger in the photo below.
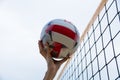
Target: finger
{"x": 65, "y": 59}
{"x": 68, "y": 56}
{"x": 41, "y": 48}
{"x": 40, "y": 45}
{"x": 49, "y": 50}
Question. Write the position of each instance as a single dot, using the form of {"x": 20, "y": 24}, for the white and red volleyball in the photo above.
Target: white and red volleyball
{"x": 62, "y": 36}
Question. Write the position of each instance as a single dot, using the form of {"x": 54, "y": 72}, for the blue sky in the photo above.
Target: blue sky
{"x": 21, "y": 22}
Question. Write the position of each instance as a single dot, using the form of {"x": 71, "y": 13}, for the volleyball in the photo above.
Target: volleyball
{"x": 62, "y": 36}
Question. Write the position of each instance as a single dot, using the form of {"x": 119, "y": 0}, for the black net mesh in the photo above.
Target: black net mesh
{"x": 98, "y": 57}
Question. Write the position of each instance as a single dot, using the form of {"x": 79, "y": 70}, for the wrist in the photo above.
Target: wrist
{"x": 50, "y": 74}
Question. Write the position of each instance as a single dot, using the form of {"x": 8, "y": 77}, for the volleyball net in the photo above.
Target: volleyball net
{"x": 98, "y": 57}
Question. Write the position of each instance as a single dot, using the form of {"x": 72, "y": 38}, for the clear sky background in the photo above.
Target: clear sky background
{"x": 21, "y": 22}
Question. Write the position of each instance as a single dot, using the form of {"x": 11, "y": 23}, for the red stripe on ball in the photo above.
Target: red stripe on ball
{"x": 63, "y": 30}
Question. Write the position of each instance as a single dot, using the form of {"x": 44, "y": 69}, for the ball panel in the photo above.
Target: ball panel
{"x": 63, "y": 53}
{"x": 57, "y": 48}
{"x": 68, "y": 42}
{"x": 63, "y": 23}
{"x": 62, "y": 30}
{"x": 46, "y": 38}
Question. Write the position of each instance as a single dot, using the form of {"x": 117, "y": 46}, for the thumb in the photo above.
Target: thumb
{"x": 65, "y": 59}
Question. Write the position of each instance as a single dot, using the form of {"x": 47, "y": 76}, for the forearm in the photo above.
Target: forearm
{"x": 50, "y": 74}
